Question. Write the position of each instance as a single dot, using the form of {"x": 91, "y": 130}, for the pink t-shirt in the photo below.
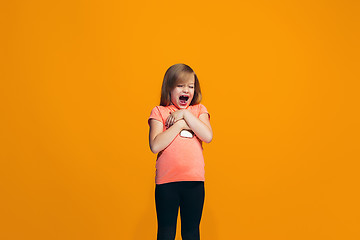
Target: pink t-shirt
{"x": 182, "y": 159}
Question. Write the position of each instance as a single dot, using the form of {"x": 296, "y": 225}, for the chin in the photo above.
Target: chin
{"x": 182, "y": 106}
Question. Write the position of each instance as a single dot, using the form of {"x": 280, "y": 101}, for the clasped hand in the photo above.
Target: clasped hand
{"x": 175, "y": 117}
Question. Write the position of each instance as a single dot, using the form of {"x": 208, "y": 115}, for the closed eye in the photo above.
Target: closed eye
{"x": 183, "y": 85}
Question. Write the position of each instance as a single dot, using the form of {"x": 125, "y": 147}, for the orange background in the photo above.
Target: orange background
{"x": 279, "y": 78}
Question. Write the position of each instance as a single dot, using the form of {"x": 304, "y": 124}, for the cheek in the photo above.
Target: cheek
{"x": 173, "y": 93}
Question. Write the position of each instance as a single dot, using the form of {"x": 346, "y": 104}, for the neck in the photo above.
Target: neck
{"x": 171, "y": 104}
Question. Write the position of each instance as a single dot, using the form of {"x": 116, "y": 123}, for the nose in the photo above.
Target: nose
{"x": 186, "y": 89}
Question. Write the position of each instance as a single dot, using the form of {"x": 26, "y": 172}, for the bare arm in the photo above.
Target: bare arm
{"x": 158, "y": 139}
{"x": 201, "y": 126}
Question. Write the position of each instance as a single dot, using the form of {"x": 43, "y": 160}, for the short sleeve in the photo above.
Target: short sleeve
{"x": 155, "y": 114}
{"x": 203, "y": 110}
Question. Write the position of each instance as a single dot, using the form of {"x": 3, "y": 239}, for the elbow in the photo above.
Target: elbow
{"x": 154, "y": 149}
{"x": 156, "y": 146}
{"x": 155, "y": 152}
{"x": 209, "y": 136}
{"x": 153, "y": 146}
{"x": 208, "y": 139}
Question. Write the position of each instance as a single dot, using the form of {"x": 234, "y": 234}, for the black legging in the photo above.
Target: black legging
{"x": 189, "y": 196}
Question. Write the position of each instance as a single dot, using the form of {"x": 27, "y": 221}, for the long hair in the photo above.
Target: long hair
{"x": 172, "y": 77}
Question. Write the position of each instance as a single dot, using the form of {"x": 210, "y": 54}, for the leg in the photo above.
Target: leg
{"x": 191, "y": 206}
{"x": 167, "y": 207}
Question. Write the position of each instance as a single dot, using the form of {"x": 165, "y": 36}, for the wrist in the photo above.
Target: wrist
{"x": 184, "y": 113}
{"x": 180, "y": 124}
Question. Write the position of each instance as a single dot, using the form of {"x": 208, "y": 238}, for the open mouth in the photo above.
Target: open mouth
{"x": 183, "y": 99}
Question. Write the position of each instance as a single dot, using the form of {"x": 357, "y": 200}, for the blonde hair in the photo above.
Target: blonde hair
{"x": 172, "y": 77}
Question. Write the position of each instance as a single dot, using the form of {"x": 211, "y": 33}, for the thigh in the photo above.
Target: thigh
{"x": 192, "y": 197}
{"x": 167, "y": 206}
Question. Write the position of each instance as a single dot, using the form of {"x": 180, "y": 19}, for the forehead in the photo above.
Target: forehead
{"x": 185, "y": 77}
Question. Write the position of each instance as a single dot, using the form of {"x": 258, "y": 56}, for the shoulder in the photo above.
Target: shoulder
{"x": 158, "y": 108}
{"x": 159, "y": 111}
{"x": 199, "y": 107}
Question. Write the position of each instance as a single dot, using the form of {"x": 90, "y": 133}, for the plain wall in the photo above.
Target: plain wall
{"x": 279, "y": 78}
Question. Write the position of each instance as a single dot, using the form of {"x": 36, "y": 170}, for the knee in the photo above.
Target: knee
{"x": 166, "y": 233}
{"x": 190, "y": 233}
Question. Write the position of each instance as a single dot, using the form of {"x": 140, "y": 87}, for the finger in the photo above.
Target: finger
{"x": 167, "y": 121}
{"x": 169, "y": 118}
{"x": 171, "y": 121}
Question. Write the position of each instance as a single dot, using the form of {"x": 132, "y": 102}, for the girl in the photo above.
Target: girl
{"x": 177, "y": 129}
